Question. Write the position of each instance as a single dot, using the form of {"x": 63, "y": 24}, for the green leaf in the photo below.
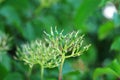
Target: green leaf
{"x": 10, "y": 14}
{"x": 87, "y": 7}
{"x": 12, "y": 18}
{"x": 5, "y": 61}
{"x": 14, "y": 76}
{"x": 116, "y": 44}
{"x": 3, "y": 72}
{"x": 115, "y": 66}
{"x": 101, "y": 71}
{"x": 105, "y": 29}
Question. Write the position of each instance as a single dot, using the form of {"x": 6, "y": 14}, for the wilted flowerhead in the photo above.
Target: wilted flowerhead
{"x": 38, "y": 52}
{"x": 4, "y": 42}
{"x": 71, "y": 44}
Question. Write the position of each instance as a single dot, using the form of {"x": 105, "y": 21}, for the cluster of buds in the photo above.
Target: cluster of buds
{"x": 70, "y": 45}
{"x": 41, "y": 53}
{"x": 4, "y": 42}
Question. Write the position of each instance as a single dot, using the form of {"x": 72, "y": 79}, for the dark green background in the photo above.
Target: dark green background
{"x": 25, "y": 20}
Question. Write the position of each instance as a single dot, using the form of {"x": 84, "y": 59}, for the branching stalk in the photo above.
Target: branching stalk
{"x": 29, "y": 72}
{"x": 61, "y": 68}
{"x": 53, "y": 50}
{"x": 42, "y": 72}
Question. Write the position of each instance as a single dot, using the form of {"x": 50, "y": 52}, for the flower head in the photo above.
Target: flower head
{"x": 71, "y": 42}
{"x": 38, "y": 52}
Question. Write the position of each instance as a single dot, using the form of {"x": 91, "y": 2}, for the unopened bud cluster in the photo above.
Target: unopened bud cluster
{"x": 4, "y": 42}
{"x": 48, "y": 53}
{"x": 38, "y": 52}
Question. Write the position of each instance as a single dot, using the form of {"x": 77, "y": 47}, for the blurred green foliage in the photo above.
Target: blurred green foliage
{"x": 25, "y": 21}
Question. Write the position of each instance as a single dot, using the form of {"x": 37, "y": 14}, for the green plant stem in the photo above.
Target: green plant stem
{"x": 29, "y": 73}
{"x": 42, "y": 72}
{"x": 69, "y": 56}
{"x": 61, "y": 68}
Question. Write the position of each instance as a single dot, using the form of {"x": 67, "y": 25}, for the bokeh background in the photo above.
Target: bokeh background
{"x": 25, "y": 21}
